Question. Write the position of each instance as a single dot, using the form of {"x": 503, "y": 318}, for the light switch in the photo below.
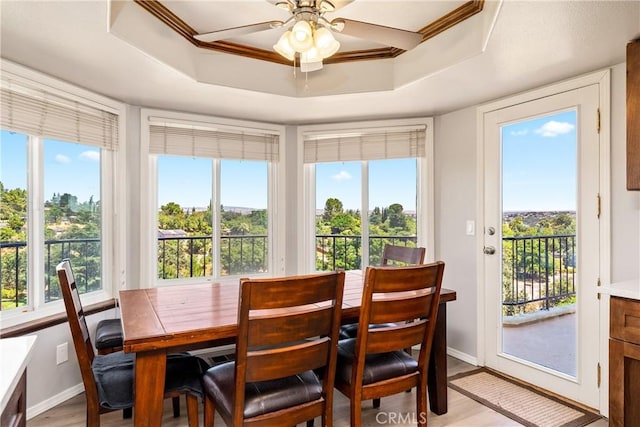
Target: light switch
{"x": 471, "y": 228}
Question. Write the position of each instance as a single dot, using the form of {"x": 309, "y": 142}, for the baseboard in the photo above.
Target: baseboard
{"x": 462, "y": 356}
{"x": 54, "y": 401}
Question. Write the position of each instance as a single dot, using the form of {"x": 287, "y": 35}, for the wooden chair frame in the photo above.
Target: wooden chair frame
{"x": 86, "y": 353}
{"x": 408, "y": 298}
{"x": 286, "y": 326}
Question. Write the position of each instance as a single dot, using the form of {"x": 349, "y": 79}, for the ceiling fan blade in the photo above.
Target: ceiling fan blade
{"x": 333, "y": 4}
{"x": 229, "y": 33}
{"x": 388, "y": 36}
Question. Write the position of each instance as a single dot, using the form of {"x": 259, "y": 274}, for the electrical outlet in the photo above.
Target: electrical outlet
{"x": 62, "y": 353}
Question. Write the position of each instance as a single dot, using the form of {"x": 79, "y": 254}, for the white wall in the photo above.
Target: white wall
{"x": 455, "y": 203}
{"x": 625, "y": 205}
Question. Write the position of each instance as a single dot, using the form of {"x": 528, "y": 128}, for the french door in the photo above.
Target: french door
{"x": 542, "y": 241}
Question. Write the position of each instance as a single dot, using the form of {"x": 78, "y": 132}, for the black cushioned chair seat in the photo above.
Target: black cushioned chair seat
{"x": 351, "y": 330}
{"x": 265, "y": 396}
{"x": 378, "y": 367}
{"x": 108, "y": 334}
{"x": 114, "y": 377}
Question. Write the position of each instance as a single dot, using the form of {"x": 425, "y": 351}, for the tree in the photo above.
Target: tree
{"x": 332, "y": 207}
{"x": 397, "y": 219}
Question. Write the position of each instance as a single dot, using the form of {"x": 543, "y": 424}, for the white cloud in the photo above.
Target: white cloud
{"x": 341, "y": 176}
{"x": 552, "y": 129}
{"x": 90, "y": 155}
{"x": 520, "y": 132}
{"x": 62, "y": 159}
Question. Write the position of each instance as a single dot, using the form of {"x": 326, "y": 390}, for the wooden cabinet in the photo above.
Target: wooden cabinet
{"x": 633, "y": 115}
{"x": 624, "y": 363}
{"x": 15, "y": 413}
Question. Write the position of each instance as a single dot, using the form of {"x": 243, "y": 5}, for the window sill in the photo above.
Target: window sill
{"x": 55, "y": 319}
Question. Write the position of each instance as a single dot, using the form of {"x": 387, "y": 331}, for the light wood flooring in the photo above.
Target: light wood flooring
{"x": 394, "y": 411}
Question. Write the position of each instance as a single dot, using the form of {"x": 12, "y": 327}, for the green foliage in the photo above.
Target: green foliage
{"x": 339, "y": 232}
{"x": 72, "y": 230}
{"x": 537, "y": 250}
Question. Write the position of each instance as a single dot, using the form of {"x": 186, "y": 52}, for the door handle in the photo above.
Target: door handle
{"x": 489, "y": 250}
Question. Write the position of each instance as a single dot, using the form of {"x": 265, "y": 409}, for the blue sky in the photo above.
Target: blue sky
{"x": 540, "y": 164}
{"x": 539, "y": 172}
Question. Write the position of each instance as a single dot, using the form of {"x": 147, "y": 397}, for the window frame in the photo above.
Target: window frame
{"x": 424, "y": 187}
{"x": 112, "y": 187}
{"x": 149, "y": 202}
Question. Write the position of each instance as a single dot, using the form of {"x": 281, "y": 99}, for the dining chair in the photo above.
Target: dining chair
{"x": 391, "y": 255}
{"x": 374, "y": 364}
{"x": 108, "y": 379}
{"x": 287, "y": 331}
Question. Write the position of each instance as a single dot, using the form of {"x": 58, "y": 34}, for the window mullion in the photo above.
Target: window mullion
{"x": 35, "y": 223}
{"x": 217, "y": 218}
{"x": 364, "y": 215}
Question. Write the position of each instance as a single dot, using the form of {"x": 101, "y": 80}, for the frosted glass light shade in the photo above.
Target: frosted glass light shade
{"x": 310, "y": 60}
{"x": 284, "y": 48}
{"x": 325, "y": 43}
{"x": 301, "y": 37}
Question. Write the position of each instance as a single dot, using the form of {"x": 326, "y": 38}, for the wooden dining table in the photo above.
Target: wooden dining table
{"x": 162, "y": 320}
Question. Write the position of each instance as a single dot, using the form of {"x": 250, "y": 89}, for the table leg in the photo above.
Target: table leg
{"x": 149, "y": 388}
{"x": 437, "y": 378}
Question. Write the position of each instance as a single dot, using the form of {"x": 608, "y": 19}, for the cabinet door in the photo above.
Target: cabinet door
{"x": 624, "y": 384}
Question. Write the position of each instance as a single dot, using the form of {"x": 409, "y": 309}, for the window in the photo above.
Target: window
{"x": 213, "y": 192}
{"x": 364, "y": 191}
{"x": 56, "y": 198}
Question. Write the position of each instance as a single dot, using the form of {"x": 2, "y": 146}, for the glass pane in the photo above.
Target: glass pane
{"x": 13, "y": 219}
{"x": 244, "y": 218}
{"x": 539, "y": 173}
{"x": 338, "y": 223}
{"x": 72, "y": 215}
{"x": 392, "y": 205}
{"x": 184, "y": 217}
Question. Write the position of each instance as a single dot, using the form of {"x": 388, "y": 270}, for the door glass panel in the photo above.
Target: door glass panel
{"x": 539, "y": 265}
{"x": 392, "y": 205}
{"x": 338, "y": 223}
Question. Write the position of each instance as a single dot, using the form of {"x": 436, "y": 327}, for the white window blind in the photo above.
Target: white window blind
{"x": 212, "y": 143}
{"x": 390, "y": 143}
{"x": 36, "y": 111}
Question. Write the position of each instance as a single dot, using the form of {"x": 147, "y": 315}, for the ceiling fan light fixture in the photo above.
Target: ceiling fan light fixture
{"x": 301, "y": 36}
{"x": 325, "y": 43}
{"x": 283, "y": 47}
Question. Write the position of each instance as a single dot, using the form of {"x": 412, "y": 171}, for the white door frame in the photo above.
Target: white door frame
{"x": 602, "y": 79}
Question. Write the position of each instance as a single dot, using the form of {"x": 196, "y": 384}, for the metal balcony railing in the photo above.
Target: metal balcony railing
{"x": 538, "y": 269}
{"x": 345, "y": 252}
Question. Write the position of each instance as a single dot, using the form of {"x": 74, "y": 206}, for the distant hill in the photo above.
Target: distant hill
{"x": 532, "y": 218}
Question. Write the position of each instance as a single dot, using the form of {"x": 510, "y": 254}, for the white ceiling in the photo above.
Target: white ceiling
{"x": 532, "y": 43}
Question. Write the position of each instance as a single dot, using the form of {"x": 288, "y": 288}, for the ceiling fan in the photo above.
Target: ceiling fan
{"x": 310, "y": 35}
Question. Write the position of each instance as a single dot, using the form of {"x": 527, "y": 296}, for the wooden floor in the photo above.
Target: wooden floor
{"x": 395, "y": 410}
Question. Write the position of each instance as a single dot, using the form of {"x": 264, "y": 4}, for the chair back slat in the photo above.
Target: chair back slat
{"x": 297, "y": 326}
{"x": 268, "y": 364}
{"x": 400, "y": 309}
{"x": 278, "y": 293}
{"x": 402, "y": 255}
{"x": 383, "y": 340}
